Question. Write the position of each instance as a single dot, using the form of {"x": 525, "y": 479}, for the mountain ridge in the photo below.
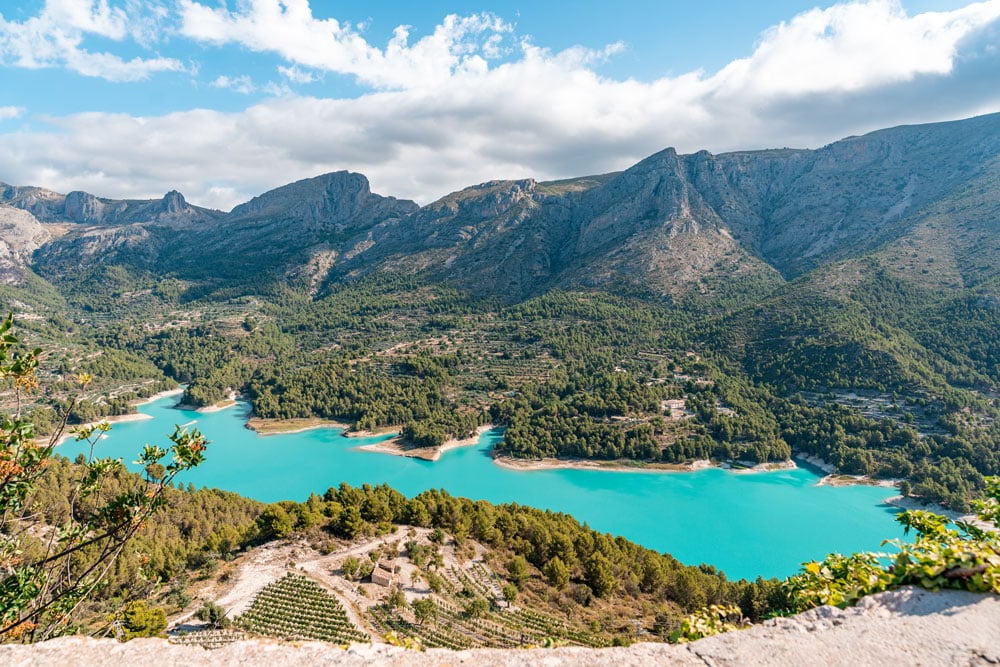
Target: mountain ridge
{"x": 673, "y": 224}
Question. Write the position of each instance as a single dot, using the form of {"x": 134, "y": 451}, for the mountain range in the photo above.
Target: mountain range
{"x": 923, "y": 198}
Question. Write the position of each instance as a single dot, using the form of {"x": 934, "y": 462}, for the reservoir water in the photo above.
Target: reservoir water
{"x": 745, "y": 524}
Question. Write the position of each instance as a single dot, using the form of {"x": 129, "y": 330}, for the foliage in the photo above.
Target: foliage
{"x": 939, "y": 557}
{"x": 477, "y": 608}
{"x": 556, "y": 573}
{"x": 351, "y": 567}
{"x": 517, "y": 570}
{"x": 424, "y": 610}
{"x": 839, "y": 580}
{"x": 712, "y": 620}
{"x": 214, "y": 615}
{"x": 274, "y": 523}
{"x": 139, "y": 620}
{"x": 50, "y": 570}
{"x": 407, "y": 642}
{"x": 395, "y": 598}
{"x": 599, "y": 574}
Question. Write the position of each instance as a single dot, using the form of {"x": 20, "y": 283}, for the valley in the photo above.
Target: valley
{"x": 593, "y": 335}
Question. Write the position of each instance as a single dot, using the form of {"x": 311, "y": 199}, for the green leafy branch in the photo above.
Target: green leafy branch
{"x": 940, "y": 557}
{"x": 47, "y": 571}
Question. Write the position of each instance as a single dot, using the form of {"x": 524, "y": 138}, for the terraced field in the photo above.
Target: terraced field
{"x": 470, "y": 613}
{"x": 295, "y": 607}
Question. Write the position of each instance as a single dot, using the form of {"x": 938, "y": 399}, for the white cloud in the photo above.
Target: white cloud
{"x": 288, "y": 28}
{"x": 55, "y": 38}
{"x": 240, "y": 84}
{"x": 148, "y": 20}
{"x": 296, "y": 74}
{"x": 244, "y": 85}
{"x": 443, "y": 115}
{"x": 8, "y": 113}
{"x": 852, "y": 46}
{"x": 93, "y": 16}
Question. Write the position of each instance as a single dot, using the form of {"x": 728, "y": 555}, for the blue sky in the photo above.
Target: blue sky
{"x": 223, "y": 100}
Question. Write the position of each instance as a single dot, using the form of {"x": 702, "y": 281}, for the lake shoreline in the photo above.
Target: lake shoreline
{"x": 69, "y": 433}
{"x": 913, "y": 503}
{"x": 394, "y": 444}
{"x": 767, "y": 532}
{"x": 230, "y": 401}
{"x": 267, "y": 427}
{"x": 856, "y": 480}
{"x": 525, "y": 465}
{"x": 831, "y": 477}
{"x": 397, "y": 446}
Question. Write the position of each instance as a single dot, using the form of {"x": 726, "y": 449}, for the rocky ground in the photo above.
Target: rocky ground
{"x": 905, "y": 627}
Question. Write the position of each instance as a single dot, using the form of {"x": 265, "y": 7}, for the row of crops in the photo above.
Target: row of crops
{"x": 455, "y": 625}
{"x": 467, "y": 615}
{"x": 454, "y": 628}
{"x": 295, "y": 607}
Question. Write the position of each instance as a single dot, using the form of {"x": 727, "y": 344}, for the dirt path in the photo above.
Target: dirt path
{"x": 236, "y": 585}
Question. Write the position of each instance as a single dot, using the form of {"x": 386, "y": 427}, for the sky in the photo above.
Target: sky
{"x": 225, "y": 99}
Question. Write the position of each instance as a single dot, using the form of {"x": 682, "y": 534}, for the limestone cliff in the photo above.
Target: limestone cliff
{"x": 675, "y": 223}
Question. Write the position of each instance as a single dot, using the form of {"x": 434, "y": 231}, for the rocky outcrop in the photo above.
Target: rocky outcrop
{"x": 905, "y": 627}
{"x": 20, "y": 235}
{"x": 341, "y": 199}
{"x": 291, "y": 234}
{"x": 499, "y": 237}
{"x": 83, "y": 207}
{"x": 86, "y": 209}
{"x": 44, "y": 205}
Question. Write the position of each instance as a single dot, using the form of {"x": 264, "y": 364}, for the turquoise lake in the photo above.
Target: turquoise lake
{"x": 745, "y": 524}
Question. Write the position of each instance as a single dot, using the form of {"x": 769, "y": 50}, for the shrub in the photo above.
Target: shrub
{"x": 138, "y": 620}
{"x": 214, "y": 615}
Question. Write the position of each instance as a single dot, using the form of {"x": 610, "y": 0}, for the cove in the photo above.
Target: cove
{"x": 748, "y": 525}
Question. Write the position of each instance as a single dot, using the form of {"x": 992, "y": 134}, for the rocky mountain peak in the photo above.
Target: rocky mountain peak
{"x": 338, "y": 197}
{"x": 658, "y": 160}
{"x": 654, "y": 192}
{"x": 174, "y": 202}
{"x": 83, "y": 207}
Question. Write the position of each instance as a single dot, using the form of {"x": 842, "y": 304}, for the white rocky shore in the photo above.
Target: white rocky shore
{"x": 905, "y": 627}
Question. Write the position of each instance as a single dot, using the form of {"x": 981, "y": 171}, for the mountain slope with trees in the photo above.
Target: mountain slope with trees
{"x": 841, "y": 302}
